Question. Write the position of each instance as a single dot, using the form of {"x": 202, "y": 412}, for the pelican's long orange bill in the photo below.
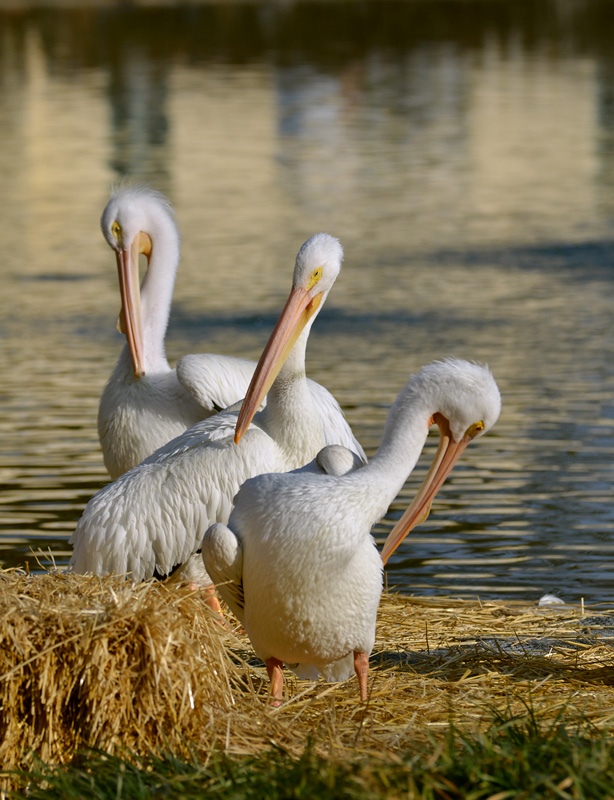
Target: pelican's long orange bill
{"x": 129, "y": 321}
{"x": 446, "y": 457}
{"x": 299, "y": 309}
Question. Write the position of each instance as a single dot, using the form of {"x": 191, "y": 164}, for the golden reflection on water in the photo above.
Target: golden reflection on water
{"x": 469, "y": 184}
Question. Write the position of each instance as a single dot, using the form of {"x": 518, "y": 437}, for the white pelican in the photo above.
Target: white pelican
{"x": 296, "y": 562}
{"x": 154, "y": 516}
{"x": 146, "y": 403}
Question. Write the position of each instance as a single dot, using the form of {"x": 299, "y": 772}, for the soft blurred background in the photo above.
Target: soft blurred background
{"x": 463, "y": 152}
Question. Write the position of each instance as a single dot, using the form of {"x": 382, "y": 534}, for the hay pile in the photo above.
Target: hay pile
{"x": 99, "y": 662}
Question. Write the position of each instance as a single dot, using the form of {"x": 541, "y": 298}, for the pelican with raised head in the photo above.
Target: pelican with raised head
{"x": 153, "y": 517}
{"x": 296, "y": 562}
{"x": 146, "y": 403}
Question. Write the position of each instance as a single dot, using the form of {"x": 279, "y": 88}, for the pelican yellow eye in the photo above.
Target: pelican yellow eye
{"x": 116, "y": 230}
{"x": 473, "y": 430}
{"x": 315, "y": 277}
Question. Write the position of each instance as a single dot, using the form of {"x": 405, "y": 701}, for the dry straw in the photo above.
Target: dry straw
{"x": 101, "y": 662}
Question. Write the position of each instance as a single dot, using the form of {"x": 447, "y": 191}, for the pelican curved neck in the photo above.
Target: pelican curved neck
{"x": 405, "y": 434}
{"x": 157, "y": 292}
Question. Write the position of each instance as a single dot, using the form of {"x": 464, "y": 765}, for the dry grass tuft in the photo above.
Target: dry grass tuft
{"x": 88, "y": 662}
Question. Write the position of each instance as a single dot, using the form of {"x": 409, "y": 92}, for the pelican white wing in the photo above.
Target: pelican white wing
{"x": 154, "y": 516}
{"x": 215, "y": 381}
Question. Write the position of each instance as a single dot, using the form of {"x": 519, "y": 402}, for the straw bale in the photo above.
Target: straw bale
{"x": 88, "y": 661}
{"x": 102, "y": 662}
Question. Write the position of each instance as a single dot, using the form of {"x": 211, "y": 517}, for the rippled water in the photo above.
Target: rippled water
{"x": 462, "y": 151}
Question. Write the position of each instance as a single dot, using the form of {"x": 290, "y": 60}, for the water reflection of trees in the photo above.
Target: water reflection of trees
{"x": 324, "y": 33}
{"x": 136, "y": 47}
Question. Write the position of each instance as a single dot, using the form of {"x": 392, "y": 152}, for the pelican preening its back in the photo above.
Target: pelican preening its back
{"x": 296, "y": 562}
{"x": 153, "y": 517}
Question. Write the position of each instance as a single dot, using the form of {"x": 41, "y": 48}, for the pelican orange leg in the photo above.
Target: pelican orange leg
{"x": 361, "y": 668}
{"x": 274, "y": 670}
{"x": 211, "y": 599}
